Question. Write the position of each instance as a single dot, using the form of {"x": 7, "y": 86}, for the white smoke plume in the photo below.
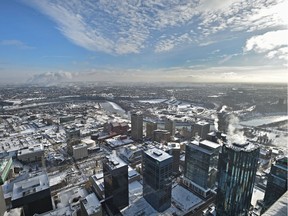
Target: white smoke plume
{"x": 234, "y": 135}
{"x": 215, "y": 121}
{"x": 223, "y": 109}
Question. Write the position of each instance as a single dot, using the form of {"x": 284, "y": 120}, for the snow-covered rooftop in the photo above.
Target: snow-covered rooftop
{"x": 158, "y": 154}
{"x": 184, "y": 199}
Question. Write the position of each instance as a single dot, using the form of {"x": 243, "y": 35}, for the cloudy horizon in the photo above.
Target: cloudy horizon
{"x": 181, "y": 41}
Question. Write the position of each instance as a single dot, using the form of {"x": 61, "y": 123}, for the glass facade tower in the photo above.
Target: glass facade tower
{"x": 277, "y": 182}
{"x": 236, "y": 176}
{"x": 157, "y": 181}
{"x": 115, "y": 183}
{"x": 201, "y": 161}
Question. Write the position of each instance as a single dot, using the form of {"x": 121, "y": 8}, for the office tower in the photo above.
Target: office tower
{"x": 115, "y": 183}
{"x": 170, "y": 126}
{"x": 33, "y": 194}
{"x": 237, "y": 168}
{"x": 137, "y": 126}
{"x": 200, "y": 171}
{"x": 72, "y": 138}
{"x": 174, "y": 150}
{"x": 277, "y": 182}
{"x": 150, "y": 127}
{"x": 201, "y": 129}
{"x": 157, "y": 181}
{"x": 161, "y": 136}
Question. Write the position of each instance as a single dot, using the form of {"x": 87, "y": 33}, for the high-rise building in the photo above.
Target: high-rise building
{"x": 137, "y": 126}
{"x": 201, "y": 129}
{"x": 150, "y": 127}
{"x": 33, "y": 194}
{"x": 201, "y": 160}
{"x": 157, "y": 181}
{"x": 277, "y": 182}
{"x": 237, "y": 168}
{"x": 174, "y": 150}
{"x": 161, "y": 136}
{"x": 170, "y": 126}
{"x": 72, "y": 138}
{"x": 115, "y": 183}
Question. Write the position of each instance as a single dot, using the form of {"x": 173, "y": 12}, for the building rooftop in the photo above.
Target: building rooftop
{"x": 195, "y": 144}
{"x": 91, "y": 204}
{"x": 173, "y": 145}
{"x": 79, "y": 146}
{"x": 115, "y": 162}
{"x": 246, "y": 147}
{"x": 209, "y": 144}
{"x": 158, "y": 154}
{"x": 30, "y": 186}
{"x": 279, "y": 208}
{"x": 32, "y": 149}
{"x": 116, "y": 142}
{"x": 202, "y": 123}
{"x": 184, "y": 199}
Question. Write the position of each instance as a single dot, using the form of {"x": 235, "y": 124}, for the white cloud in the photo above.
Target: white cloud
{"x": 273, "y": 44}
{"x": 15, "y": 43}
{"x": 123, "y": 27}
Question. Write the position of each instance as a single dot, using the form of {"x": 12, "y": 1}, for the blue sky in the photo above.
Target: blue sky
{"x": 148, "y": 40}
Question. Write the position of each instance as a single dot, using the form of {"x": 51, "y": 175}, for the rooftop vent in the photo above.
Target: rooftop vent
{"x": 157, "y": 153}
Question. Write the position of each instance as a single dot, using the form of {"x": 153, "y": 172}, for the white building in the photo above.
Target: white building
{"x": 80, "y": 151}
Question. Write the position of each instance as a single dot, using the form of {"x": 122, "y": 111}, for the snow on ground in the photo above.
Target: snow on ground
{"x": 258, "y": 194}
{"x": 115, "y": 106}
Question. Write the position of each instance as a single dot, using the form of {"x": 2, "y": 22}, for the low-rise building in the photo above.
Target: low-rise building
{"x": 31, "y": 154}
{"x": 90, "y": 206}
{"x": 33, "y": 194}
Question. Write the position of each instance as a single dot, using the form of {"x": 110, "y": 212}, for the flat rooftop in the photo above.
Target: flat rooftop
{"x": 279, "y": 208}
{"x": 115, "y": 162}
{"x": 202, "y": 123}
{"x": 91, "y": 204}
{"x": 32, "y": 149}
{"x": 209, "y": 144}
{"x": 30, "y": 186}
{"x": 173, "y": 145}
{"x": 158, "y": 154}
{"x": 246, "y": 147}
{"x": 79, "y": 146}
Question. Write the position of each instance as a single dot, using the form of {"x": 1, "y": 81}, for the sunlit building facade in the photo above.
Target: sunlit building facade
{"x": 277, "y": 182}
{"x": 157, "y": 181}
{"x": 236, "y": 176}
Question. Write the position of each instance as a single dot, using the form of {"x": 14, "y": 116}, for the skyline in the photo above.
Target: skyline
{"x": 183, "y": 41}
